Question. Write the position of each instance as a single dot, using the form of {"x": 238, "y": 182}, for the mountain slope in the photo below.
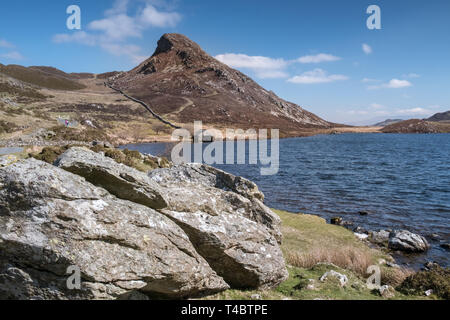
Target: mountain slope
{"x": 444, "y": 116}
{"x": 387, "y": 122}
{"x": 45, "y": 77}
{"x": 184, "y": 83}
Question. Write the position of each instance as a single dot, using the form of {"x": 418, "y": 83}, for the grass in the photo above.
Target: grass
{"x": 313, "y": 247}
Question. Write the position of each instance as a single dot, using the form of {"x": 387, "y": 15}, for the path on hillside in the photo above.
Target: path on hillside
{"x": 157, "y": 116}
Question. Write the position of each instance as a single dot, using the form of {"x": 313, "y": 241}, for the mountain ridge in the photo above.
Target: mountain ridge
{"x": 183, "y": 82}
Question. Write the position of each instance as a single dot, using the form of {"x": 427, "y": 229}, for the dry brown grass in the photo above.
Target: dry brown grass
{"x": 395, "y": 276}
{"x": 348, "y": 257}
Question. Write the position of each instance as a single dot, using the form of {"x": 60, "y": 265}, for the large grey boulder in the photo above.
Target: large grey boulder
{"x": 195, "y": 187}
{"x": 122, "y": 181}
{"x": 51, "y": 220}
{"x": 407, "y": 241}
{"x": 223, "y": 215}
{"x": 227, "y": 223}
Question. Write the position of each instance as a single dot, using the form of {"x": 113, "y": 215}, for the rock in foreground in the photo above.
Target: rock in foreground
{"x": 223, "y": 215}
{"x": 180, "y": 232}
{"x": 51, "y": 219}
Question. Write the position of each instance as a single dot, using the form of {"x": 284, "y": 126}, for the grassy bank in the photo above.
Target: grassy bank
{"x": 313, "y": 247}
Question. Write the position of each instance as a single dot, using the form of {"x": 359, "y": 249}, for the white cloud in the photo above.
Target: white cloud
{"x": 113, "y": 32}
{"x": 6, "y": 44}
{"x": 377, "y": 106}
{"x": 411, "y": 75}
{"x": 321, "y": 57}
{"x": 415, "y": 111}
{"x": 151, "y": 16}
{"x": 251, "y": 62}
{"x": 263, "y": 67}
{"x": 79, "y": 37}
{"x": 366, "y": 80}
{"x": 130, "y": 50}
{"x": 13, "y": 55}
{"x": 366, "y": 48}
{"x": 317, "y": 76}
{"x": 393, "y": 84}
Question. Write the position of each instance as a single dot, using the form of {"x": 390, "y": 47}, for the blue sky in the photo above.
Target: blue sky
{"x": 319, "y": 54}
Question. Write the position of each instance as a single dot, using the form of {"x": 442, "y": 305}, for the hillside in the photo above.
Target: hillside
{"x": 45, "y": 77}
{"x": 184, "y": 83}
{"x": 387, "y": 122}
{"x": 416, "y": 126}
{"x": 444, "y": 116}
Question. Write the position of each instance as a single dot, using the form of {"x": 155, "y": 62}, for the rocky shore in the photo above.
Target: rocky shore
{"x": 138, "y": 227}
{"x": 178, "y": 232}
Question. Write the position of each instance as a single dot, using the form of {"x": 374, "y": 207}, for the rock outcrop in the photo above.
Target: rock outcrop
{"x": 222, "y": 214}
{"x": 122, "y": 181}
{"x": 179, "y": 232}
{"x": 184, "y": 81}
{"x": 51, "y": 219}
{"x": 407, "y": 241}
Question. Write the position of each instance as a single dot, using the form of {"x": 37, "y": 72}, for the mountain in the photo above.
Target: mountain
{"x": 45, "y": 77}
{"x": 415, "y": 126}
{"x": 183, "y": 83}
{"x": 444, "y": 116}
{"x": 387, "y": 122}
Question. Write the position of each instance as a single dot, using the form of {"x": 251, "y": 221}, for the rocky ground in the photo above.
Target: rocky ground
{"x": 138, "y": 227}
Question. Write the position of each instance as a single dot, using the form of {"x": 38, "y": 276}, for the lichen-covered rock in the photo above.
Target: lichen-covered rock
{"x": 235, "y": 232}
{"x": 342, "y": 278}
{"x": 7, "y": 160}
{"x": 199, "y": 187}
{"x": 51, "y": 219}
{"x": 407, "y": 241}
{"x": 122, "y": 181}
{"x": 380, "y": 238}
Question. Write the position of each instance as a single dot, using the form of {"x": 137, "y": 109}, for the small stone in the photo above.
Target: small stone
{"x": 360, "y": 230}
{"x": 361, "y": 236}
{"x": 429, "y": 292}
{"x": 333, "y": 274}
{"x": 446, "y": 246}
{"x": 256, "y": 297}
{"x": 363, "y": 213}
{"x": 387, "y": 291}
{"x": 337, "y": 221}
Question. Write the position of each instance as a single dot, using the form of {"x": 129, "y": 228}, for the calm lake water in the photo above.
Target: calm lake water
{"x": 402, "y": 180}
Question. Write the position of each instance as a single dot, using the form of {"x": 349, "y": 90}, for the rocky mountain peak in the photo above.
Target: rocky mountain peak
{"x": 185, "y": 83}
{"x": 176, "y": 42}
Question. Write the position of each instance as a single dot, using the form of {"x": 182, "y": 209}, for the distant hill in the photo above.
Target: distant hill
{"x": 387, "y": 122}
{"x": 45, "y": 77}
{"x": 444, "y": 116}
{"x": 417, "y": 126}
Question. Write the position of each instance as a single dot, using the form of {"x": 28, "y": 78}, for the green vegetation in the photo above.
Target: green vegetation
{"x": 311, "y": 248}
{"x": 129, "y": 158}
{"x": 7, "y": 127}
{"x": 74, "y": 134}
{"x": 437, "y": 279}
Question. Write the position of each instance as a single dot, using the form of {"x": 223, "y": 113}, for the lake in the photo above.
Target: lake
{"x": 402, "y": 180}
